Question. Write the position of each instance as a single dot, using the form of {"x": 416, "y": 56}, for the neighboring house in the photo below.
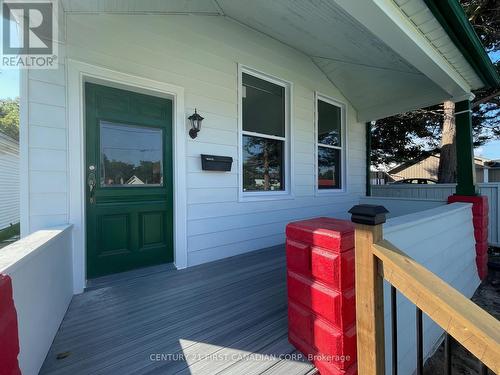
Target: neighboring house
{"x": 134, "y": 180}
{"x": 9, "y": 181}
{"x": 491, "y": 171}
{"x": 286, "y": 89}
{"x": 378, "y": 177}
{"x": 427, "y": 166}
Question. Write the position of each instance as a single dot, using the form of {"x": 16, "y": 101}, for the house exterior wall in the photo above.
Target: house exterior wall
{"x": 428, "y": 168}
{"x": 9, "y": 181}
{"x": 494, "y": 175}
{"x": 200, "y": 54}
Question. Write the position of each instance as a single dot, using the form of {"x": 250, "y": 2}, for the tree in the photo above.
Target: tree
{"x": 433, "y": 129}
{"x": 262, "y": 166}
{"x": 447, "y": 170}
{"x": 9, "y": 117}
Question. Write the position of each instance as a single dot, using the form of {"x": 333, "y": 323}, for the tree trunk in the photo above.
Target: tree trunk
{"x": 447, "y": 172}
{"x": 267, "y": 178}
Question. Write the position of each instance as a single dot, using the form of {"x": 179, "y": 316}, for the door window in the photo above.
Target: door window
{"x": 131, "y": 156}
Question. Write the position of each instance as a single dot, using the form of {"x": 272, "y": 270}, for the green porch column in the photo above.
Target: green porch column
{"x": 466, "y": 174}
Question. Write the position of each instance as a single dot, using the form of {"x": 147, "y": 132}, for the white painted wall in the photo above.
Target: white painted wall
{"x": 42, "y": 281}
{"x": 9, "y": 181}
{"x": 402, "y": 206}
{"x": 442, "y": 240}
{"x": 441, "y": 192}
{"x": 200, "y": 54}
{"x": 44, "y": 143}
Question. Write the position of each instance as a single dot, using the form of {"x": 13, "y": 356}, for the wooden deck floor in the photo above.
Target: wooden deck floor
{"x": 226, "y": 317}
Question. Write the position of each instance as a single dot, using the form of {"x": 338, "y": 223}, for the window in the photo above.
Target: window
{"x": 130, "y": 155}
{"x": 263, "y": 135}
{"x": 330, "y": 140}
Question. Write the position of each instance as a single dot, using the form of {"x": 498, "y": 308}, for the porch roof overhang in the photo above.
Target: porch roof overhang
{"x": 386, "y": 57}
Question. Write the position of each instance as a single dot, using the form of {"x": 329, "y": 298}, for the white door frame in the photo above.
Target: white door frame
{"x": 77, "y": 74}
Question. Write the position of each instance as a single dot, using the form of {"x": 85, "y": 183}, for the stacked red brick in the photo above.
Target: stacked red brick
{"x": 480, "y": 221}
{"x": 321, "y": 298}
{"x": 9, "y": 342}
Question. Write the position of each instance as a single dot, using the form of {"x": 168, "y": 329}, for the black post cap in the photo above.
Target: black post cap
{"x": 368, "y": 214}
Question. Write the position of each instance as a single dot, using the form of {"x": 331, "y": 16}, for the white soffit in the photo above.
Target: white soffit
{"x": 377, "y": 81}
{"x": 359, "y": 47}
{"x": 424, "y": 20}
{"x": 207, "y": 7}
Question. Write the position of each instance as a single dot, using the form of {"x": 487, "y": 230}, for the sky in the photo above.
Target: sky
{"x": 9, "y": 83}
{"x": 490, "y": 150}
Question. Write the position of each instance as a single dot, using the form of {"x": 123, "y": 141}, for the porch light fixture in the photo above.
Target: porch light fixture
{"x": 195, "y": 119}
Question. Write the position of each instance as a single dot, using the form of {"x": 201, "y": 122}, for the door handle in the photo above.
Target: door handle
{"x": 91, "y": 183}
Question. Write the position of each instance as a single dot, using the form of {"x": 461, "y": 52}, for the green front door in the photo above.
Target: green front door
{"x": 128, "y": 180}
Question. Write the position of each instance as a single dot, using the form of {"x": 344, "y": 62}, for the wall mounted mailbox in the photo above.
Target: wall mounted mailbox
{"x": 216, "y": 163}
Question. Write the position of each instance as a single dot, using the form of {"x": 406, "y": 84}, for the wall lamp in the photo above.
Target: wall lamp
{"x": 195, "y": 119}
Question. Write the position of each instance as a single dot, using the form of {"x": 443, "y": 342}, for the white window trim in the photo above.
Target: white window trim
{"x": 245, "y": 196}
{"x": 344, "y": 141}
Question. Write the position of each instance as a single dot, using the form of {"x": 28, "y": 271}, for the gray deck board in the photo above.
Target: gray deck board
{"x": 226, "y": 317}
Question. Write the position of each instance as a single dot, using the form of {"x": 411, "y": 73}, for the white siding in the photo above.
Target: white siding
{"x": 442, "y": 240}
{"x": 47, "y": 136}
{"x": 402, "y": 206}
{"x": 200, "y": 54}
{"x": 441, "y": 192}
{"x": 9, "y": 181}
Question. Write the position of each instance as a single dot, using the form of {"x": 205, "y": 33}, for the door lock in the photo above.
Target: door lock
{"x": 91, "y": 182}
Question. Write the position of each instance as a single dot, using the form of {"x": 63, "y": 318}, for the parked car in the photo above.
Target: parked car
{"x": 420, "y": 181}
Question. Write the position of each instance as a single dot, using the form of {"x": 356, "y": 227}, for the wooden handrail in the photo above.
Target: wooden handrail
{"x": 377, "y": 259}
{"x": 470, "y": 325}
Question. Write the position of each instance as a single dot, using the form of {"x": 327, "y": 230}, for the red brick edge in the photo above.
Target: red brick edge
{"x": 480, "y": 221}
{"x": 9, "y": 340}
{"x": 321, "y": 298}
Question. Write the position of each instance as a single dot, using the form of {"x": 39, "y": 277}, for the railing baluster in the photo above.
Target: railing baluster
{"x": 483, "y": 369}
{"x": 420, "y": 343}
{"x": 447, "y": 354}
{"x": 394, "y": 330}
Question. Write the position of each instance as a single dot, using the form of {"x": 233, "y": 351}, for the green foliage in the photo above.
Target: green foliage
{"x": 9, "y": 117}
{"x": 484, "y": 15}
{"x": 406, "y": 136}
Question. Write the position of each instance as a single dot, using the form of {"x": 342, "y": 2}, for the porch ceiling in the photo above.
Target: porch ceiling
{"x": 359, "y": 56}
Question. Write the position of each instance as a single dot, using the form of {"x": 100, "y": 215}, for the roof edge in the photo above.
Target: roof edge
{"x": 452, "y": 17}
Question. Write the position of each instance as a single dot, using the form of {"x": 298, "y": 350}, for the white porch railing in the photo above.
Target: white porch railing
{"x": 424, "y": 260}
{"x": 441, "y": 192}
{"x": 40, "y": 268}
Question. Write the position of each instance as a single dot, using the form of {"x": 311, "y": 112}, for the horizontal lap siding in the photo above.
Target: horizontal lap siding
{"x": 201, "y": 54}
{"x": 9, "y": 183}
{"x": 47, "y": 146}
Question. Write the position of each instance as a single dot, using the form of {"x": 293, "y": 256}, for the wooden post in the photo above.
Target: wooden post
{"x": 368, "y": 221}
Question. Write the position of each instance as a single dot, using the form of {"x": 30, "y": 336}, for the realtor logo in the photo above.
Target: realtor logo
{"x": 29, "y": 30}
